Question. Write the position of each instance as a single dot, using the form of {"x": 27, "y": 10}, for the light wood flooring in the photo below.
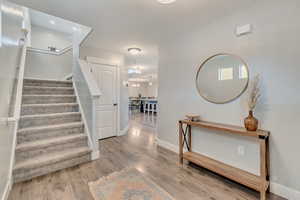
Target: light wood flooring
{"x": 137, "y": 149}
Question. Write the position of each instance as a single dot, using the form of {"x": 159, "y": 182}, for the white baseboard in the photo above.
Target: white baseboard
{"x": 7, "y": 189}
{"x": 283, "y": 191}
{"x": 167, "y": 145}
{"x": 95, "y": 155}
{"x": 280, "y": 190}
{"x": 124, "y": 131}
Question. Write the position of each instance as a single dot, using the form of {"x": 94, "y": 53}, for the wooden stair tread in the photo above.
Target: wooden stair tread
{"x": 51, "y": 158}
{"x": 251, "y": 180}
{"x": 46, "y": 142}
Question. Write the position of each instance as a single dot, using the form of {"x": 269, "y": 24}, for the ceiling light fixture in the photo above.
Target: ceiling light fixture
{"x": 74, "y": 28}
{"x": 166, "y": 1}
{"x": 134, "y": 71}
{"x": 134, "y": 50}
{"x": 137, "y": 80}
{"x": 52, "y": 22}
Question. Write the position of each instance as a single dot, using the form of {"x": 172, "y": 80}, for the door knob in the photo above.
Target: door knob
{"x": 115, "y": 104}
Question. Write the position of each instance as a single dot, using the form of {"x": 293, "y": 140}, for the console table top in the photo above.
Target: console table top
{"x": 227, "y": 128}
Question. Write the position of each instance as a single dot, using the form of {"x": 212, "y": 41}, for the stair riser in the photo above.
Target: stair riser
{"x": 27, "y": 174}
{"x": 32, "y": 153}
{"x": 35, "y": 110}
{"x": 50, "y": 120}
{"x": 47, "y": 91}
{"x": 29, "y": 136}
{"x": 46, "y": 83}
{"x": 47, "y": 100}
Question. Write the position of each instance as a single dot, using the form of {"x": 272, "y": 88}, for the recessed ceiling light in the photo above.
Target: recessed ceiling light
{"x": 52, "y": 22}
{"x": 134, "y": 51}
{"x": 74, "y": 28}
{"x": 166, "y": 1}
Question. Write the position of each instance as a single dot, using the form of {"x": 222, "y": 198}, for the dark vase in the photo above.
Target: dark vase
{"x": 251, "y": 123}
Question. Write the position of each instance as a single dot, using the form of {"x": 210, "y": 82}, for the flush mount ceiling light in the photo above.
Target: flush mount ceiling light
{"x": 166, "y": 1}
{"x": 134, "y": 51}
{"x": 52, "y": 22}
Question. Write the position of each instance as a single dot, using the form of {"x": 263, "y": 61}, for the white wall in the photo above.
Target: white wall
{"x": 9, "y": 59}
{"x": 42, "y": 38}
{"x": 115, "y": 58}
{"x": 153, "y": 89}
{"x": 145, "y": 90}
{"x": 272, "y": 50}
{"x": 46, "y": 66}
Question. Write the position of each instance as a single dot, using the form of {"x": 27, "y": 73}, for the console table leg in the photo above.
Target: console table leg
{"x": 263, "y": 195}
{"x": 190, "y": 136}
{"x": 268, "y": 162}
{"x": 180, "y": 143}
{"x": 263, "y": 166}
{"x": 263, "y": 159}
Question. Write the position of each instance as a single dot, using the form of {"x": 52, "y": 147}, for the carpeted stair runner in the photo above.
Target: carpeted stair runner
{"x": 51, "y": 132}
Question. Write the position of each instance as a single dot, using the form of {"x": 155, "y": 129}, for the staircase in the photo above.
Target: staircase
{"x": 51, "y": 133}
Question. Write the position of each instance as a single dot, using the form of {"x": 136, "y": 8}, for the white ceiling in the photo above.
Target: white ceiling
{"x": 61, "y": 25}
{"x": 120, "y": 24}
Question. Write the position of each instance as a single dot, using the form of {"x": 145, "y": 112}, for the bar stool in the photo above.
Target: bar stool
{"x": 146, "y": 106}
{"x": 151, "y": 107}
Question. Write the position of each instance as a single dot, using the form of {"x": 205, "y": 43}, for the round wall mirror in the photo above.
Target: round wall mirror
{"x": 222, "y": 78}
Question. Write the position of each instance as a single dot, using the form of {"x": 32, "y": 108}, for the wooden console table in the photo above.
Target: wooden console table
{"x": 258, "y": 183}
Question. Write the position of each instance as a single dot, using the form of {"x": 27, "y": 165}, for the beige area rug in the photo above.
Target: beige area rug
{"x": 128, "y": 184}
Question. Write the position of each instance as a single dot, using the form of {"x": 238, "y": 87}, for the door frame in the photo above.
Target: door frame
{"x": 94, "y": 60}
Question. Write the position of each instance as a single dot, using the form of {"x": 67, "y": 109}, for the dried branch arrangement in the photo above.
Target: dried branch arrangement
{"x": 254, "y": 94}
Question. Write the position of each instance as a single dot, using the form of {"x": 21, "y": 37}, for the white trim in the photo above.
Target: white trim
{"x": 118, "y": 99}
{"x": 17, "y": 113}
{"x": 7, "y": 189}
{"x": 124, "y": 131}
{"x": 92, "y": 85}
{"x": 167, "y": 145}
{"x": 43, "y": 51}
{"x": 101, "y": 61}
{"x": 95, "y": 155}
{"x": 95, "y": 150}
{"x": 284, "y": 191}
{"x": 12, "y": 159}
{"x": 7, "y": 121}
{"x": 275, "y": 188}
{"x": 95, "y": 60}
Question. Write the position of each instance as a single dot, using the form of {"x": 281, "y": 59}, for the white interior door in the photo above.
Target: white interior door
{"x": 106, "y": 107}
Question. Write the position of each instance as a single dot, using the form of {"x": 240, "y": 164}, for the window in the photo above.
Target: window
{"x": 225, "y": 74}
{"x": 243, "y": 73}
